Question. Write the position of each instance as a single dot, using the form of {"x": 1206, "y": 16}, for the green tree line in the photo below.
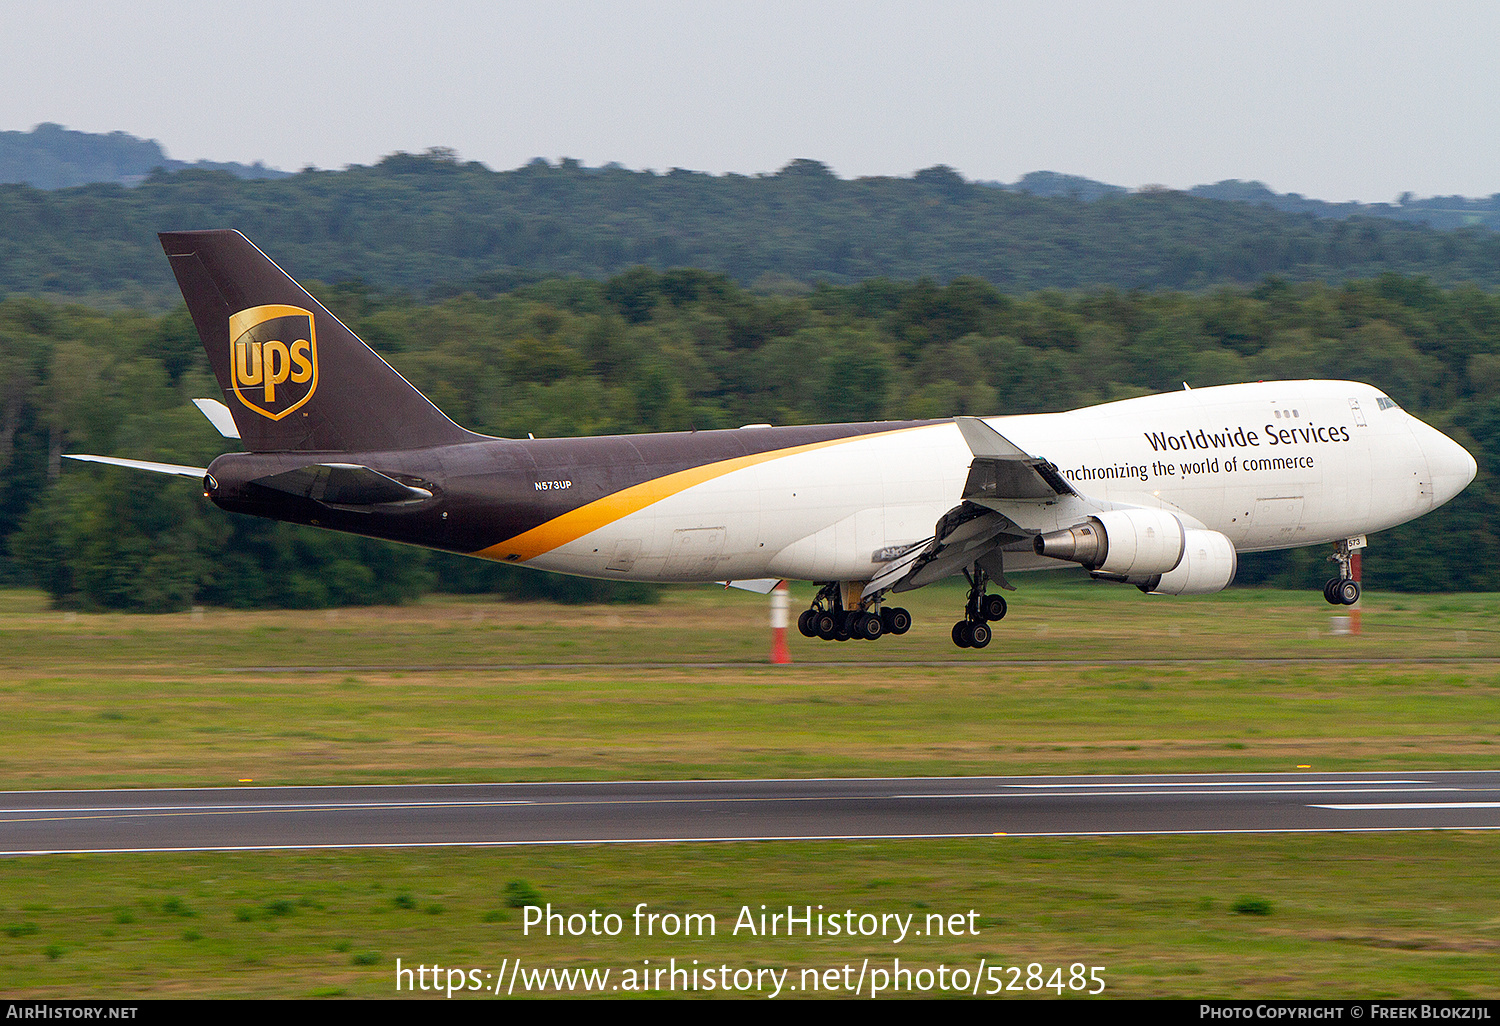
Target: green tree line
{"x": 656, "y": 351}
{"x": 425, "y": 222}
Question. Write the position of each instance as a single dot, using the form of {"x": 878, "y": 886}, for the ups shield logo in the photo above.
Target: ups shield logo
{"x": 273, "y": 358}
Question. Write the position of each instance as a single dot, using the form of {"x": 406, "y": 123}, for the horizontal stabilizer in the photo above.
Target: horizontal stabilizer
{"x": 155, "y": 468}
{"x": 219, "y": 416}
{"x": 345, "y": 485}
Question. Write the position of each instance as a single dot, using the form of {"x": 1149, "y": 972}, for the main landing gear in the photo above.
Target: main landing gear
{"x": 1342, "y": 590}
{"x": 973, "y": 631}
{"x": 829, "y": 620}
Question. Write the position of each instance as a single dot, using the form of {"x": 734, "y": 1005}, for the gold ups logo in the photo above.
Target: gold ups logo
{"x": 273, "y": 357}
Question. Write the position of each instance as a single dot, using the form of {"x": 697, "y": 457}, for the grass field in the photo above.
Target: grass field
{"x": 1080, "y": 678}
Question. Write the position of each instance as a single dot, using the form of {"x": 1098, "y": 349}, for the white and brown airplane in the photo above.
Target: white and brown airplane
{"x": 1161, "y": 491}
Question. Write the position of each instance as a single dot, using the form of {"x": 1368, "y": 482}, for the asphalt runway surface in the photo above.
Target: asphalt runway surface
{"x": 265, "y": 818}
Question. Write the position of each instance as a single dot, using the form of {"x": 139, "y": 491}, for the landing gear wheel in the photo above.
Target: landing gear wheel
{"x": 961, "y": 636}
{"x": 867, "y": 626}
{"x": 1344, "y": 589}
{"x": 895, "y": 620}
{"x": 993, "y": 607}
{"x": 827, "y": 626}
{"x": 807, "y": 623}
{"x": 979, "y": 611}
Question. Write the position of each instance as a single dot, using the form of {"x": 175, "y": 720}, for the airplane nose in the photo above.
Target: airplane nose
{"x": 1450, "y": 464}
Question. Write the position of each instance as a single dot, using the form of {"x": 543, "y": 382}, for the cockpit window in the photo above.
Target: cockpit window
{"x": 1386, "y": 404}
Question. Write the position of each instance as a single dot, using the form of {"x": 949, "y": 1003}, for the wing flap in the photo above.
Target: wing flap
{"x": 965, "y": 535}
{"x": 896, "y": 569}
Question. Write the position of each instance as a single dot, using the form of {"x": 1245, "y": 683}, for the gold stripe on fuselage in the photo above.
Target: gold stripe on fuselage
{"x": 576, "y": 523}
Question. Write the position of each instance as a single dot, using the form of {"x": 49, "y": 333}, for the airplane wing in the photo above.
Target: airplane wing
{"x": 1002, "y": 472}
{"x": 1001, "y": 476}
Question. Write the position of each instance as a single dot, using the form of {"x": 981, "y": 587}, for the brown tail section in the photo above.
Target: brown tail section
{"x": 293, "y": 376}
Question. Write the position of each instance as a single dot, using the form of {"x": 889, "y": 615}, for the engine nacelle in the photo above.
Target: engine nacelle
{"x": 1208, "y": 565}
{"x": 1124, "y": 543}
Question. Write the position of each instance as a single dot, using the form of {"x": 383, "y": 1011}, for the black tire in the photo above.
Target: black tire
{"x": 994, "y": 608}
{"x": 807, "y": 623}
{"x": 828, "y": 626}
{"x": 895, "y": 620}
{"x": 1330, "y": 594}
{"x": 868, "y": 627}
{"x": 961, "y": 634}
{"x": 1348, "y": 592}
{"x": 980, "y": 634}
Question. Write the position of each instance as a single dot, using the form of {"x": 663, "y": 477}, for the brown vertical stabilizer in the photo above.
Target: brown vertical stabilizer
{"x": 294, "y": 377}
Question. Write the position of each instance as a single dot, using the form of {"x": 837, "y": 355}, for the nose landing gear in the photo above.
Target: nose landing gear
{"x": 1344, "y": 590}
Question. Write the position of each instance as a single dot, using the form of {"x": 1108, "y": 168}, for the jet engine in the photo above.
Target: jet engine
{"x": 1122, "y": 543}
{"x": 1208, "y": 565}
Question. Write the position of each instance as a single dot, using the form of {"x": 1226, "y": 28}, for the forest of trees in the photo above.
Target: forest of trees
{"x": 650, "y": 350}
{"x": 435, "y": 226}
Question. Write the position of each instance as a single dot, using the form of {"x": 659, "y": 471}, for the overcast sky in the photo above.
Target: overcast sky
{"x": 1333, "y": 100}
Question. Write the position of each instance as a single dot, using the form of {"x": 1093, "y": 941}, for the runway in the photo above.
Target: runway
{"x": 267, "y": 818}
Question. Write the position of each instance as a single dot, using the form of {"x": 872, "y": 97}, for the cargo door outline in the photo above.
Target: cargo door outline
{"x": 694, "y": 553}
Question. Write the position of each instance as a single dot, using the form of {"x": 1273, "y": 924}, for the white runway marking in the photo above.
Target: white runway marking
{"x": 1223, "y": 783}
{"x": 1412, "y": 806}
{"x": 1173, "y": 791}
{"x": 996, "y": 834}
{"x": 266, "y": 807}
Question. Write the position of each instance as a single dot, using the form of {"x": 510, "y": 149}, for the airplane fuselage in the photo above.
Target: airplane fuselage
{"x": 1269, "y": 465}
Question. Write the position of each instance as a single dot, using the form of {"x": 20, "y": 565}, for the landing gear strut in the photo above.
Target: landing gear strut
{"x": 973, "y": 631}
{"x": 1342, "y": 590}
{"x": 829, "y": 620}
